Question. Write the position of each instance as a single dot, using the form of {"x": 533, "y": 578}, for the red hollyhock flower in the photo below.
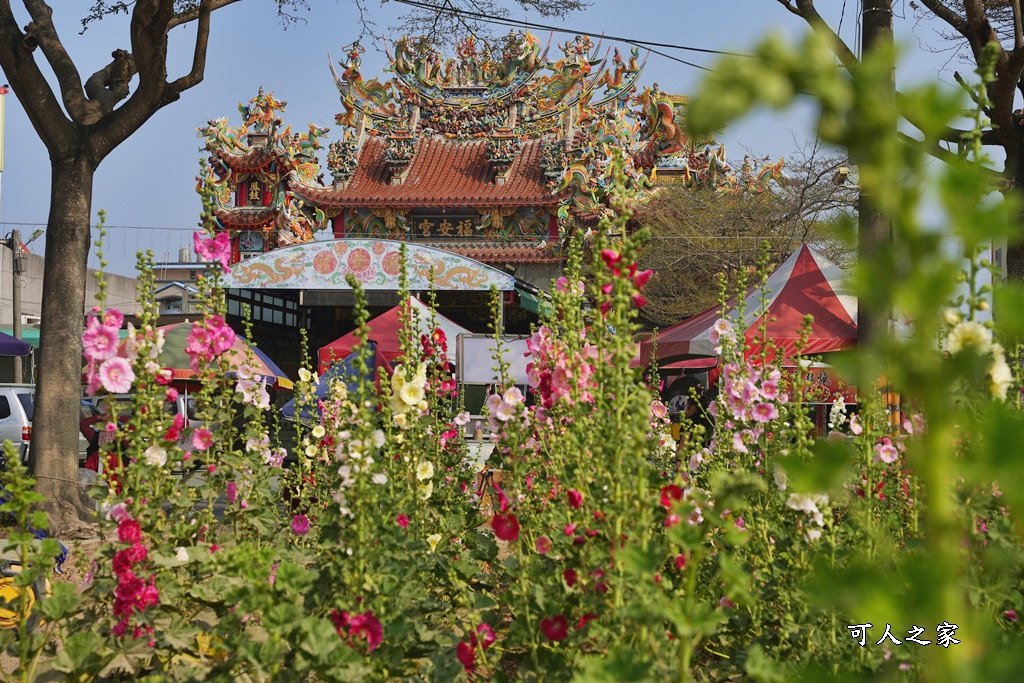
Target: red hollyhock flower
{"x": 575, "y": 499}
{"x": 670, "y": 495}
{"x": 680, "y": 561}
{"x": 467, "y": 655}
{"x": 506, "y": 527}
{"x": 569, "y": 576}
{"x": 556, "y": 628}
{"x": 589, "y": 616}
{"x": 543, "y": 545}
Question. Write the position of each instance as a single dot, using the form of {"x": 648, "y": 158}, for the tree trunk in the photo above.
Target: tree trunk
{"x": 54, "y": 452}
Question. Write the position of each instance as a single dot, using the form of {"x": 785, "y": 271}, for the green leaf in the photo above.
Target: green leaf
{"x": 619, "y": 665}
{"x": 640, "y": 562}
{"x": 80, "y": 650}
{"x": 61, "y": 602}
{"x": 762, "y": 669}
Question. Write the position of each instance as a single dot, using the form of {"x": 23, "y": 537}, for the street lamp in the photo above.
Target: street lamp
{"x": 14, "y": 243}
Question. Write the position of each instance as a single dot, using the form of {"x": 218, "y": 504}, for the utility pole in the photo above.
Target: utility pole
{"x": 874, "y": 230}
{"x": 17, "y": 266}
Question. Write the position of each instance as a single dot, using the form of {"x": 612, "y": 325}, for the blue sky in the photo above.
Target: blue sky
{"x": 147, "y": 186}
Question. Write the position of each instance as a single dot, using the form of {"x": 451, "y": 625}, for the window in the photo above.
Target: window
{"x": 278, "y": 317}
{"x": 5, "y": 407}
{"x": 234, "y": 307}
{"x": 28, "y": 404}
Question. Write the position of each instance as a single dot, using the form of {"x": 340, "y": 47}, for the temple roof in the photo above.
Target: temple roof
{"x": 247, "y": 217}
{"x": 442, "y": 173}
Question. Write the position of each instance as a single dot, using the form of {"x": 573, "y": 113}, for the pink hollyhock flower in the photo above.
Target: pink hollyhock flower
{"x": 402, "y": 521}
{"x": 467, "y": 656}
{"x": 639, "y": 301}
{"x": 119, "y": 513}
{"x": 765, "y": 412}
{"x": 506, "y": 527}
{"x": 569, "y": 576}
{"x": 555, "y": 628}
{"x": 726, "y": 602}
{"x": 232, "y": 492}
{"x": 543, "y": 545}
{"x": 113, "y": 318}
{"x": 222, "y": 338}
{"x": 300, "y": 525}
{"x": 570, "y": 529}
{"x": 116, "y": 375}
{"x": 172, "y": 396}
{"x": 575, "y": 499}
{"x": 217, "y": 249}
{"x": 887, "y": 453}
{"x": 856, "y": 428}
{"x": 1010, "y": 615}
{"x": 202, "y": 439}
{"x": 99, "y": 342}
{"x": 670, "y": 495}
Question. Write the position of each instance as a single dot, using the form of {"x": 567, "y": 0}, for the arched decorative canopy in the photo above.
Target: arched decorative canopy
{"x": 376, "y": 264}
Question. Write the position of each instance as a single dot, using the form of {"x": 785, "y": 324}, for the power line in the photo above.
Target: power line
{"x": 493, "y": 19}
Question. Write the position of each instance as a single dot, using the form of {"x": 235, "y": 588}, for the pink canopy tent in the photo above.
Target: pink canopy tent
{"x": 385, "y": 330}
{"x": 806, "y": 283}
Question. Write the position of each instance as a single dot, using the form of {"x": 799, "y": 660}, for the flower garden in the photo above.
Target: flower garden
{"x": 889, "y": 550}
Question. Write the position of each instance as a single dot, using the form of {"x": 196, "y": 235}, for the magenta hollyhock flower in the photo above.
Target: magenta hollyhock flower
{"x": 575, "y": 499}
{"x": 555, "y": 628}
{"x": 765, "y": 412}
{"x": 129, "y": 531}
{"x": 543, "y": 545}
{"x": 202, "y": 439}
{"x": 569, "y": 529}
{"x": 300, "y": 525}
{"x": 1010, "y": 615}
{"x": 402, "y": 521}
{"x": 486, "y": 635}
{"x": 366, "y": 626}
{"x": 506, "y": 527}
{"x": 116, "y": 375}
{"x": 467, "y": 656}
{"x": 232, "y": 492}
{"x": 670, "y": 495}
{"x": 680, "y": 561}
{"x": 99, "y": 342}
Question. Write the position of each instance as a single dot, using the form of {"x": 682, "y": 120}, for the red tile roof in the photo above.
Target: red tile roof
{"x": 253, "y": 160}
{"x": 247, "y": 218}
{"x": 443, "y": 172}
{"x": 502, "y": 252}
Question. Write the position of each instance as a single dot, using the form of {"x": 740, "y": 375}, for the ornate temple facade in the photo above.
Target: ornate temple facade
{"x": 494, "y": 156}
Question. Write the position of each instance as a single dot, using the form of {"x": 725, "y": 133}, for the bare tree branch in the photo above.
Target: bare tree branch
{"x": 29, "y": 83}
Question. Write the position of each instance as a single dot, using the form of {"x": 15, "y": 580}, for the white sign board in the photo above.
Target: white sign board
{"x": 475, "y": 359}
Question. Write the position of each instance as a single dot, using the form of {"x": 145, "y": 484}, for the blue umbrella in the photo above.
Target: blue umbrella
{"x": 344, "y": 369}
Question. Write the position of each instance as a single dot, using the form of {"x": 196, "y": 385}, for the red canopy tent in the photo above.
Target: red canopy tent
{"x": 385, "y": 329}
{"x": 806, "y": 283}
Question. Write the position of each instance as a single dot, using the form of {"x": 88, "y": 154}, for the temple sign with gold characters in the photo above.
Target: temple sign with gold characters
{"x": 495, "y": 154}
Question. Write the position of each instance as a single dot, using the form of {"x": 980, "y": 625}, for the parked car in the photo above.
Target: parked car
{"x": 17, "y": 409}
